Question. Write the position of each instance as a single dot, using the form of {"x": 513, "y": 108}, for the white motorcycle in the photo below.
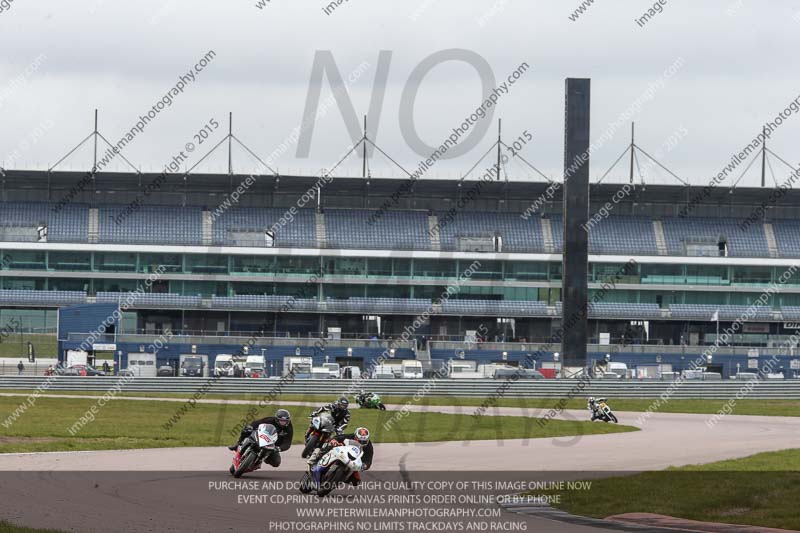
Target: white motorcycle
{"x": 254, "y": 450}
{"x": 335, "y": 467}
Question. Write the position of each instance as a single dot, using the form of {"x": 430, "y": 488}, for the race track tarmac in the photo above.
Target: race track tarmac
{"x": 167, "y": 489}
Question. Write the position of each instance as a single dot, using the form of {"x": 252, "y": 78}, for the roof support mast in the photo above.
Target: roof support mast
{"x": 633, "y": 143}
{"x": 499, "y": 142}
{"x": 764, "y": 158}
{"x": 364, "y": 153}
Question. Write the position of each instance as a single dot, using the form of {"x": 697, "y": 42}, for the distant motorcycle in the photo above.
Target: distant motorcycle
{"x": 335, "y": 467}
{"x": 254, "y": 450}
{"x": 369, "y": 400}
{"x": 605, "y": 413}
{"x": 319, "y": 431}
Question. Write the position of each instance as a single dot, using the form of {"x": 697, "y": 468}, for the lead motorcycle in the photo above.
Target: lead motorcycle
{"x": 319, "y": 432}
{"x": 335, "y": 467}
{"x": 605, "y": 413}
{"x": 369, "y": 400}
{"x": 254, "y": 450}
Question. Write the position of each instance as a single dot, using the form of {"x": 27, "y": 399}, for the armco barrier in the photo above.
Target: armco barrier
{"x": 549, "y": 388}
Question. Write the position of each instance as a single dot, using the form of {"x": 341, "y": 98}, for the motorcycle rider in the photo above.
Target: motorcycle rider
{"x": 339, "y": 411}
{"x": 361, "y": 435}
{"x": 283, "y": 423}
{"x": 594, "y": 406}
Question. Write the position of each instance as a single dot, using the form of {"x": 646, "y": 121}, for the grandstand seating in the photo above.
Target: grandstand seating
{"x": 613, "y": 235}
{"x": 398, "y": 230}
{"x": 69, "y": 223}
{"x": 726, "y": 312}
{"x": 298, "y": 231}
{"x": 46, "y": 298}
{"x": 750, "y": 242}
{"x": 149, "y": 299}
{"x": 787, "y": 235}
{"x": 519, "y": 235}
{"x": 151, "y": 225}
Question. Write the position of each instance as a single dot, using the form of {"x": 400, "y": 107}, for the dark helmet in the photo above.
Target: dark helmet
{"x": 342, "y": 403}
{"x": 283, "y": 417}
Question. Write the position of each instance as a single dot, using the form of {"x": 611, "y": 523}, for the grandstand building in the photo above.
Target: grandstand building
{"x": 263, "y": 270}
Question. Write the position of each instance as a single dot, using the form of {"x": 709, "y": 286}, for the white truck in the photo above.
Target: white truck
{"x": 300, "y": 365}
{"x": 333, "y": 369}
{"x": 254, "y": 363}
{"x": 77, "y": 357}
{"x": 464, "y": 370}
{"x": 224, "y": 366}
{"x": 411, "y": 369}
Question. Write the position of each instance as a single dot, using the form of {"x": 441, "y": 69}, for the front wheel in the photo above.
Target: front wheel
{"x": 335, "y": 475}
{"x": 245, "y": 464}
{"x": 311, "y": 445}
{"x": 614, "y": 418}
{"x": 382, "y": 407}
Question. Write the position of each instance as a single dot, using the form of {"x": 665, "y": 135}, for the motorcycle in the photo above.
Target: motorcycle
{"x": 335, "y": 467}
{"x": 369, "y": 400}
{"x": 254, "y": 450}
{"x": 319, "y": 431}
{"x": 605, "y": 413}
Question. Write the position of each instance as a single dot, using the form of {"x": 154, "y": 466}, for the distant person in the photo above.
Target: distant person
{"x": 106, "y": 368}
{"x": 20, "y": 368}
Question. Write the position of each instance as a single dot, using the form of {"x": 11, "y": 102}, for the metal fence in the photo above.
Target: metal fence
{"x": 478, "y": 388}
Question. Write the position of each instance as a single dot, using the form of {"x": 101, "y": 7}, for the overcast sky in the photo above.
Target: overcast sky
{"x": 737, "y": 70}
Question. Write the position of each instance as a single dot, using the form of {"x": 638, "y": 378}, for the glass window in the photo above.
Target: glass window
{"x": 24, "y": 260}
{"x": 70, "y": 261}
{"x": 253, "y": 264}
{"x": 379, "y": 267}
{"x": 345, "y": 266}
{"x": 752, "y": 274}
{"x": 526, "y": 271}
{"x": 164, "y": 262}
{"x": 482, "y": 269}
{"x": 435, "y": 268}
{"x": 114, "y": 262}
{"x": 207, "y": 264}
{"x": 297, "y": 265}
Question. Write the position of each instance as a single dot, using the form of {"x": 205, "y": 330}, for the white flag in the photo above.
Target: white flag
{"x": 715, "y": 316}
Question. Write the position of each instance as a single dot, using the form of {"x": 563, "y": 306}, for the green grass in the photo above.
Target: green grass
{"x": 743, "y": 407}
{"x": 8, "y": 527}
{"x": 760, "y": 490}
{"x": 124, "y": 424}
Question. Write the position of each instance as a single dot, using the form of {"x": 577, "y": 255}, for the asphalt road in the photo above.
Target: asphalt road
{"x": 168, "y": 490}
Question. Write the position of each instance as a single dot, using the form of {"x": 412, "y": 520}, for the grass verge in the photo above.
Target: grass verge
{"x": 760, "y": 490}
{"x": 121, "y": 424}
{"x": 698, "y": 406}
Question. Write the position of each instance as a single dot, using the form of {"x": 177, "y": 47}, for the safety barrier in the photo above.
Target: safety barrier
{"x": 547, "y": 388}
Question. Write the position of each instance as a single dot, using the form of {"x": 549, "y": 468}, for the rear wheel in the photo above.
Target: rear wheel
{"x": 245, "y": 464}
{"x": 311, "y": 445}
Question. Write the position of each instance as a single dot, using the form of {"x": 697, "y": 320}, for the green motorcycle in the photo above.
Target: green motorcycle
{"x": 369, "y": 400}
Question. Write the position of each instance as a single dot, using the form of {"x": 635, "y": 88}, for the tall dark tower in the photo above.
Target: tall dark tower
{"x": 575, "y": 290}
